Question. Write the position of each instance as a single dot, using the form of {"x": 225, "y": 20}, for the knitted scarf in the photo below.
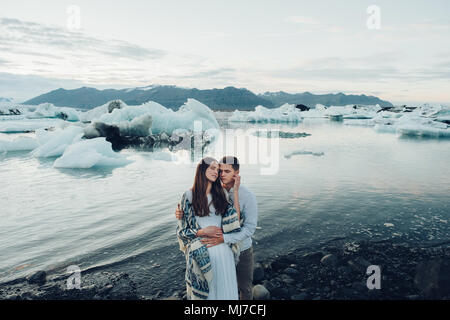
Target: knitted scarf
{"x": 198, "y": 264}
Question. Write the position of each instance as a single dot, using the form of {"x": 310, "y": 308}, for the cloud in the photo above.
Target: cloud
{"x": 52, "y": 52}
{"x": 30, "y": 37}
{"x": 309, "y": 24}
{"x": 221, "y": 73}
{"x": 302, "y": 20}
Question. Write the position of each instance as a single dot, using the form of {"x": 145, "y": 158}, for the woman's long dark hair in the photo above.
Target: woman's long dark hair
{"x": 199, "y": 198}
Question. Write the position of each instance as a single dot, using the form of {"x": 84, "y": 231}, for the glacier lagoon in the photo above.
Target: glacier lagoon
{"x": 339, "y": 181}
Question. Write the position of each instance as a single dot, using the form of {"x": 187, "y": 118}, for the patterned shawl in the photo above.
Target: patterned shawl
{"x": 198, "y": 264}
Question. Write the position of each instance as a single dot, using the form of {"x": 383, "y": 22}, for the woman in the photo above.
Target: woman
{"x": 210, "y": 270}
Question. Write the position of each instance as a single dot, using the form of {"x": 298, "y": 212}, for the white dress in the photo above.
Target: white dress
{"x": 224, "y": 283}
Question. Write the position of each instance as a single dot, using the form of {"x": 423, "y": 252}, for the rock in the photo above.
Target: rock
{"x": 302, "y": 107}
{"x": 359, "y": 264}
{"x": 164, "y": 137}
{"x": 433, "y": 278}
{"x": 39, "y": 277}
{"x": 278, "y": 265}
{"x": 267, "y": 267}
{"x": 313, "y": 256}
{"x": 258, "y": 273}
{"x": 330, "y": 260}
{"x": 299, "y": 296}
{"x": 287, "y": 279}
{"x": 292, "y": 272}
{"x": 260, "y": 293}
{"x": 14, "y": 112}
{"x": 105, "y": 289}
{"x": 359, "y": 287}
{"x": 268, "y": 285}
{"x": 280, "y": 293}
{"x": 114, "y": 105}
{"x": 123, "y": 288}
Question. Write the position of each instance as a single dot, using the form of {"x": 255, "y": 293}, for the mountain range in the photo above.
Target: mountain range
{"x": 2, "y": 99}
{"x": 229, "y": 98}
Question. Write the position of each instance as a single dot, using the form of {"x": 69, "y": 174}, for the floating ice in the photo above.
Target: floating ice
{"x": 388, "y": 225}
{"x": 414, "y": 124}
{"x": 285, "y": 113}
{"x": 29, "y": 125}
{"x": 18, "y": 144}
{"x": 288, "y": 155}
{"x": 164, "y": 156}
{"x": 54, "y": 143}
{"x": 280, "y": 134}
{"x": 163, "y": 119}
{"x": 90, "y": 153}
{"x": 48, "y": 110}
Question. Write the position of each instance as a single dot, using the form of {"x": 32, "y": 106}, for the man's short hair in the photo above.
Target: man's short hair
{"x": 231, "y": 160}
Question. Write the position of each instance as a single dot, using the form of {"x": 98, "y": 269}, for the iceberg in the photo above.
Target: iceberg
{"x": 285, "y": 113}
{"x": 431, "y": 121}
{"x": 48, "y": 110}
{"x": 419, "y": 123}
{"x": 54, "y": 143}
{"x": 163, "y": 119}
{"x": 90, "y": 153}
{"x": 97, "y": 112}
{"x": 18, "y": 144}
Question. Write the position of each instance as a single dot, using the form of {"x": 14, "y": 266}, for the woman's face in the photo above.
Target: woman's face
{"x": 212, "y": 173}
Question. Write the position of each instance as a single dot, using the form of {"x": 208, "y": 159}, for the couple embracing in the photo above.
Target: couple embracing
{"x": 216, "y": 220}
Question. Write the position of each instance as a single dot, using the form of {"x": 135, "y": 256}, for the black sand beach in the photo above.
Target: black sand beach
{"x": 334, "y": 270}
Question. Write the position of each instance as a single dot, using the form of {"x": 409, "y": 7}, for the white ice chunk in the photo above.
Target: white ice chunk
{"x": 27, "y": 125}
{"x": 163, "y": 119}
{"x": 289, "y": 154}
{"x": 18, "y": 144}
{"x": 413, "y": 124}
{"x": 285, "y": 113}
{"x": 90, "y": 153}
{"x": 48, "y": 110}
{"x": 56, "y": 142}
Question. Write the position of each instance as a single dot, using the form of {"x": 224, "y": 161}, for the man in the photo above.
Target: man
{"x": 229, "y": 174}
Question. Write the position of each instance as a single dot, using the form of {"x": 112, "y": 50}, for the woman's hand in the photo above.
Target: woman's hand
{"x": 179, "y": 213}
{"x": 209, "y": 232}
{"x": 211, "y": 242}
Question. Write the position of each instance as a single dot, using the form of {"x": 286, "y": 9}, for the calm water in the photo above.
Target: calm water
{"x": 365, "y": 184}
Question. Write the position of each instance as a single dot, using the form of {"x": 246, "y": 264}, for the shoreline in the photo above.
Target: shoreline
{"x": 335, "y": 270}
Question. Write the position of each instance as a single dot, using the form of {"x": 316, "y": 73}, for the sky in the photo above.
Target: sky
{"x": 396, "y": 50}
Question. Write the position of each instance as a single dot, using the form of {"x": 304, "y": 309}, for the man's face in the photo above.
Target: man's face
{"x": 227, "y": 173}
